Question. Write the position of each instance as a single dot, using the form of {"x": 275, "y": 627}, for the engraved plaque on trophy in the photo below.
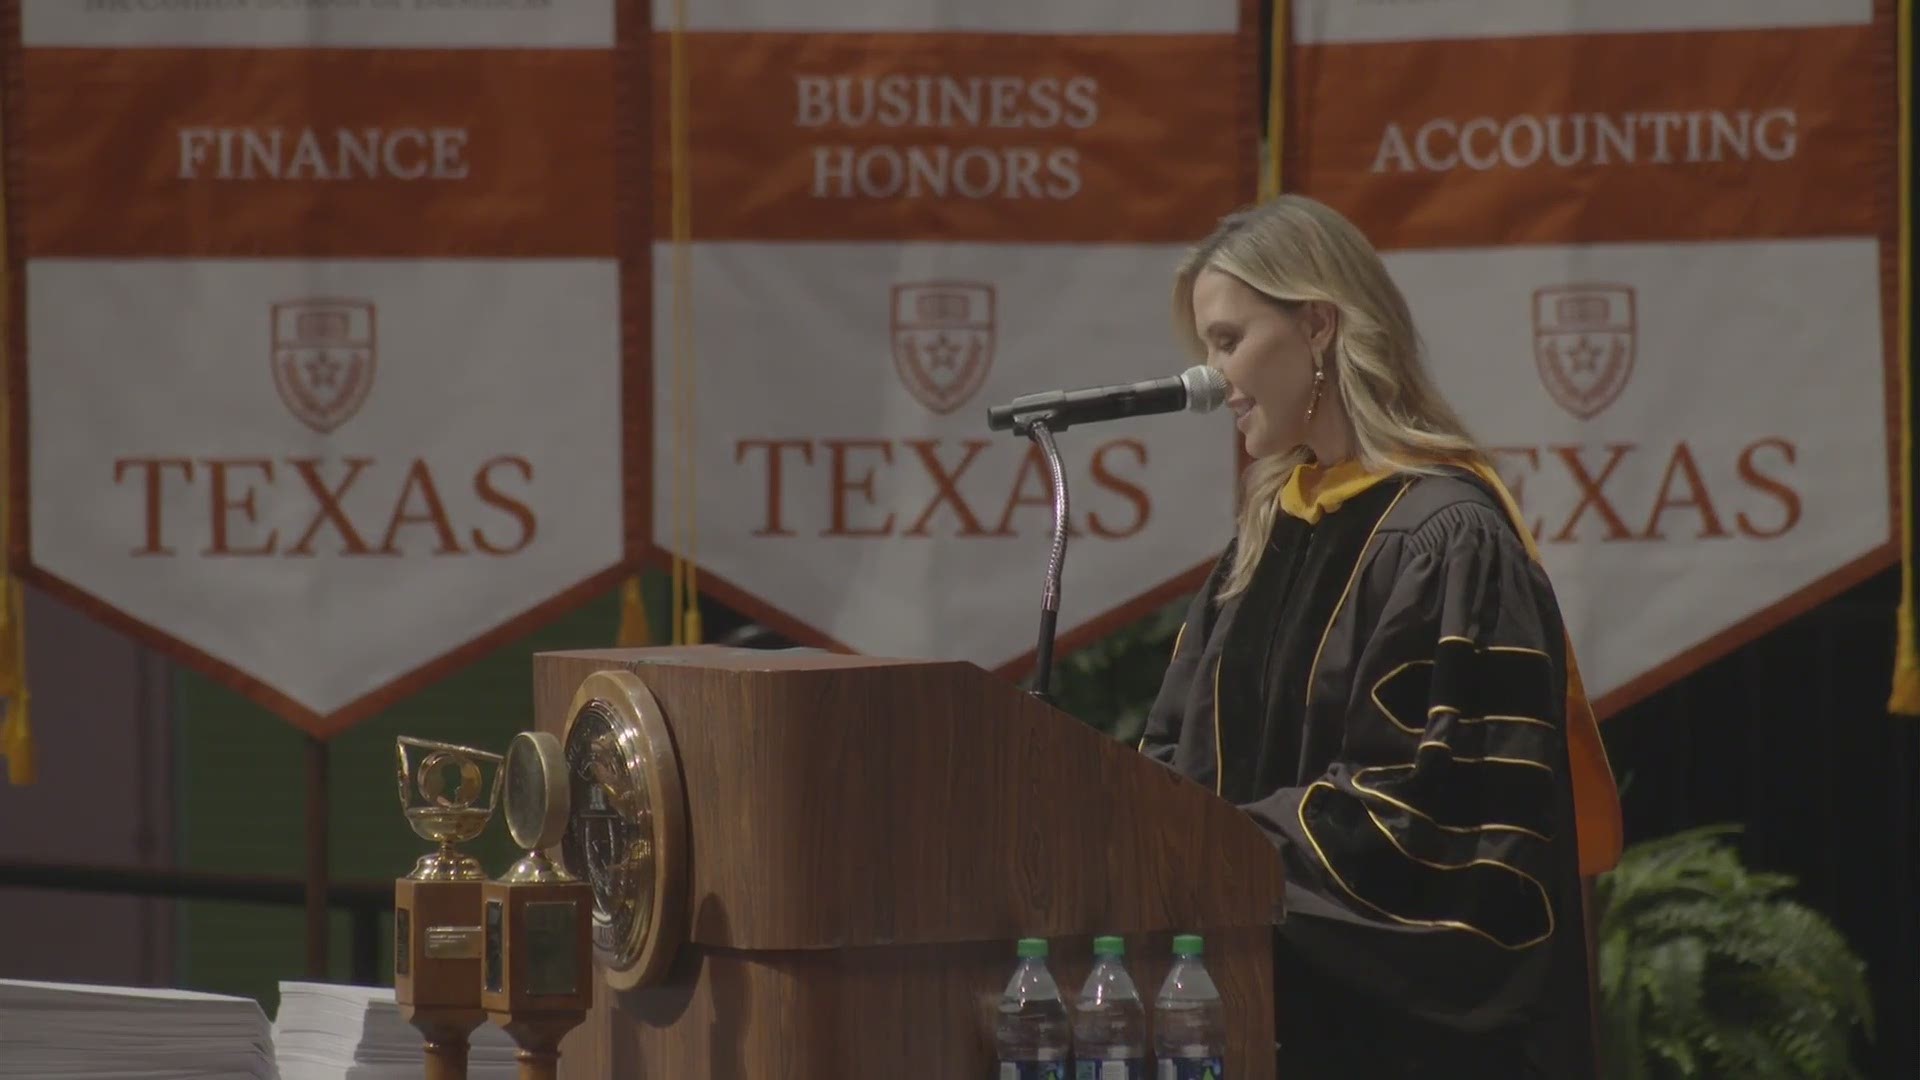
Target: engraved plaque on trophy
{"x": 448, "y": 799}
{"x": 537, "y": 920}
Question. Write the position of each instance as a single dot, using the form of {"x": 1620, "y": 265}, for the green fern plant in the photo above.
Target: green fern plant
{"x": 1708, "y": 970}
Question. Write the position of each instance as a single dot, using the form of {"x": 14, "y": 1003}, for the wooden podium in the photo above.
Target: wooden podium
{"x": 865, "y": 840}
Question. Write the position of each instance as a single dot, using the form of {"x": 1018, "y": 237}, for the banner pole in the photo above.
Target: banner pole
{"x": 318, "y": 812}
{"x": 1905, "y": 697}
{"x": 1276, "y": 102}
{"x": 16, "y": 734}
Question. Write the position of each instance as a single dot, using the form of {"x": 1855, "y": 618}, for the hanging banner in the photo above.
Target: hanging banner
{"x": 1651, "y": 247}
{"x": 325, "y": 374}
{"x": 919, "y": 211}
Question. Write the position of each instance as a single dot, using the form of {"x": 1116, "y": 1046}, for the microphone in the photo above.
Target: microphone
{"x": 1198, "y": 389}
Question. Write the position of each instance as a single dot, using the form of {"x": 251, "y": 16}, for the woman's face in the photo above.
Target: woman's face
{"x": 1266, "y": 353}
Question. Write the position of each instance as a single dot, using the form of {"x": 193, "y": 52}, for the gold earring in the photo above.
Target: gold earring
{"x": 1319, "y": 382}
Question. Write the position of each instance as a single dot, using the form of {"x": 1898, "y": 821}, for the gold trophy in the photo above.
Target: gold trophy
{"x": 537, "y": 973}
{"x": 436, "y": 908}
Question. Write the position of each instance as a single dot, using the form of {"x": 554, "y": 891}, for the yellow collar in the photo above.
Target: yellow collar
{"x": 1311, "y": 492}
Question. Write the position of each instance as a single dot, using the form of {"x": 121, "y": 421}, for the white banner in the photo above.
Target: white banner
{"x": 328, "y": 364}
{"x": 1651, "y": 248}
{"x": 849, "y": 479}
{"x": 291, "y": 485}
{"x": 923, "y": 211}
{"x": 1679, "y": 428}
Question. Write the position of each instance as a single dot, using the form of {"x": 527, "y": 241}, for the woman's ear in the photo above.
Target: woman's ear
{"x": 1322, "y": 321}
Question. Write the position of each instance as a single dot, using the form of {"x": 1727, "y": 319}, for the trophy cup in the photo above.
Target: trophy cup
{"x": 538, "y": 969}
{"x": 436, "y": 908}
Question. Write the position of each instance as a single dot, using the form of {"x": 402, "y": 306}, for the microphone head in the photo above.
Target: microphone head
{"x": 1206, "y": 388}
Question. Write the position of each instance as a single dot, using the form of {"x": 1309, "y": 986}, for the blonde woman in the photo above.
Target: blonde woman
{"x": 1377, "y": 673}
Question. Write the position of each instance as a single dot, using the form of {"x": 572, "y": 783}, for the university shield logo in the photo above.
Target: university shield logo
{"x": 323, "y": 358}
{"x": 943, "y": 340}
{"x": 1583, "y": 338}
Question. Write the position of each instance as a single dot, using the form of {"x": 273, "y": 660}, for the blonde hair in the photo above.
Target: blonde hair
{"x": 1293, "y": 249}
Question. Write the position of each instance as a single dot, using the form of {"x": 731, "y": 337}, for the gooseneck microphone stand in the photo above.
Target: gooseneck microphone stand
{"x": 1036, "y": 427}
{"x": 1037, "y": 417}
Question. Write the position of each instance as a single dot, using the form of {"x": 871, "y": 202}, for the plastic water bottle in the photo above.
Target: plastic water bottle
{"x": 1109, "y": 1023}
{"x": 1030, "y": 1033}
{"x": 1189, "y": 1021}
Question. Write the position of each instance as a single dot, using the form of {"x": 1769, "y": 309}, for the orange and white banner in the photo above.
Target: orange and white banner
{"x": 328, "y": 356}
{"x": 1651, "y": 246}
{"x": 336, "y": 312}
{"x": 900, "y": 214}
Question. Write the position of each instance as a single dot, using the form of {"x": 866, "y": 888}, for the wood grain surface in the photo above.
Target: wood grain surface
{"x": 868, "y": 840}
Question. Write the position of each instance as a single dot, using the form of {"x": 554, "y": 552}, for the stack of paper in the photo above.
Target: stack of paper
{"x": 329, "y": 1031}
{"x": 72, "y": 1031}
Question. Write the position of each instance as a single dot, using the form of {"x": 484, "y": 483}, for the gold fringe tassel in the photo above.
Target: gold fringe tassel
{"x": 16, "y": 732}
{"x": 635, "y": 631}
{"x": 1905, "y": 699}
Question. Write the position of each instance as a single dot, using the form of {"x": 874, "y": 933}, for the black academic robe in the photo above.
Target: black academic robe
{"x": 1387, "y": 700}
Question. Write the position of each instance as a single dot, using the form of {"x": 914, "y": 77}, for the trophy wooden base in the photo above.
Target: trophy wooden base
{"x": 539, "y": 977}
{"x": 538, "y": 1038}
{"x": 436, "y": 971}
{"x": 446, "y": 1033}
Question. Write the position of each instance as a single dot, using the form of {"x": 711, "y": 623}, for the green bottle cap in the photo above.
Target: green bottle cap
{"x": 1186, "y": 945}
{"x": 1033, "y": 946}
{"x": 1109, "y": 946}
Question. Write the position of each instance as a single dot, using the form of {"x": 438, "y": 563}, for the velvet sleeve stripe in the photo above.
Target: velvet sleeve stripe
{"x": 1502, "y": 684}
{"x": 1464, "y": 795}
{"x": 1482, "y": 896}
{"x": 1455, "y": 833}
